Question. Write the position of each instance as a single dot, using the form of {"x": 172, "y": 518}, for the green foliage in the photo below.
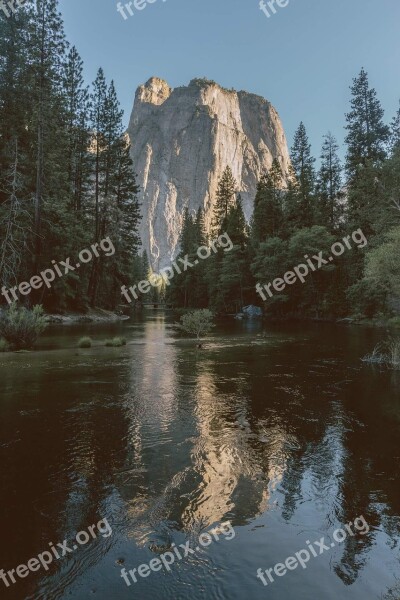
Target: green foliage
{"x": 115, "y": 342}
{"x": 394, "y": 322}
{"x": 198, "y": 323}
{"x": 383, "y": 266}
{"x": 21, "y": 327}
{"x": 85, "y": 342}
{"x": 4, "y": 345}
{"x": 268, "y": 210}
{"x": 366, "y": 298}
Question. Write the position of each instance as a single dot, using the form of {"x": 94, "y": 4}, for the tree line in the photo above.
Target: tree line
{"x": 305, "y": 213}
{"x": 66, "y": 176}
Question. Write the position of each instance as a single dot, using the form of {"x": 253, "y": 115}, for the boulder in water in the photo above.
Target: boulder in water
{"x": 252, "y": 312}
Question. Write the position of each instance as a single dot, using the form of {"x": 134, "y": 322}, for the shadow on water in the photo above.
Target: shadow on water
{"x": 282, "y": 431}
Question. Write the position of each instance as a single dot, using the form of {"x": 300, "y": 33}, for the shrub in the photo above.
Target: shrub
{"x": 85, "y": 342}
{"x": 21, "y": 327}
{"x": 116, "y": 342}
{"x": 4, "y": 346}
{"x": 197, "y": 322}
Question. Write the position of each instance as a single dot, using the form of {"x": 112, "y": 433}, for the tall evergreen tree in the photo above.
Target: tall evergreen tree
{"x": 15, "y": 143}
{"x": 303, "y": 165}
{"x": 98, "y": 118}
{"x": 367, "y": 134}
{"x": 78, "y": 137}
{"x": 47, "y": 47}
{"x": 180, "y": 290}
{"x": 329, "y": 184}
{"x": 236, "y": 226}
{"x": 268, "y": 213}
{"x": 227, "y": 188}
{"x": 116, "y": 203}
{"x": 366, "y": 150}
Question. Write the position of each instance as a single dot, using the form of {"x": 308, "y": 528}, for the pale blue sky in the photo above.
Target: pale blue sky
{"x": 302, "y": 59}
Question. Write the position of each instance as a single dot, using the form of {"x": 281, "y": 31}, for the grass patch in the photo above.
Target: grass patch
{"x": 387, "y": 354}
{"x": 116, "y": 342}
{"x": 4, "y": 345}
{"x": 394, "y": 353}
{"x": 394, "y": 322}
{"x": 85, "y": 342}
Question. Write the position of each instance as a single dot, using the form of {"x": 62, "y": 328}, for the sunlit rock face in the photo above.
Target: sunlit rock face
{"x": 182, "y": 140}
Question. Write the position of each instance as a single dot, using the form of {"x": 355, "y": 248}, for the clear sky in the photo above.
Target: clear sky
{"x": 302, "y": 59}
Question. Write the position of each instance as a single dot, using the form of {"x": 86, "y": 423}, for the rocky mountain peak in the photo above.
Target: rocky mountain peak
{"x": 182, "y": 140}
{"x": 154, "y": 91}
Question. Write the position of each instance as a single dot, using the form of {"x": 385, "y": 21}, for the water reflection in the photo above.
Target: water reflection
{"x": 286, "y": 434}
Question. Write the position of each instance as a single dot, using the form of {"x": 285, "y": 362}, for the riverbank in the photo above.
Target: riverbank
{"x": 93, "y": 315}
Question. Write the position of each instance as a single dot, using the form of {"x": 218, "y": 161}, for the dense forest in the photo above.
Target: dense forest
{"x": 66, "y": 177}
{"x": 67, "y": 181}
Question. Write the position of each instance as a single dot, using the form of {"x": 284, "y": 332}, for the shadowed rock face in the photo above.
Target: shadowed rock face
{"x": 183, "y": 139}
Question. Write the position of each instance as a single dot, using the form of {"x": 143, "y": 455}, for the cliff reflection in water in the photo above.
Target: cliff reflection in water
{"x": 240, "y": 429}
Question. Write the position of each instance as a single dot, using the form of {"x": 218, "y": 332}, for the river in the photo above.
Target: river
{"x": 278, "y": 429}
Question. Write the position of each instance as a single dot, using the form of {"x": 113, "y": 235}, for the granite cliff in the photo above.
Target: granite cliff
{"x": 182, "y": 139}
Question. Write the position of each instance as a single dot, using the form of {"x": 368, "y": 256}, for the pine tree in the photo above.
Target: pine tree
{"x": 14, "y": 222}
{"x": 303, "y": 165}
{"x": 367, "y": 133}
{"x": 78, "y": 137}
{"x": 16, "y": 141}
{"x": 98, "y": 117}
{"x": 180, "y": 290}
{"x": 47, "y": 46}
{"x": 199, "y": 291}
{"x": 366, "y": 151}
{"x": 231, "y": 280}
{"x": 126, "y": 216}
{"x": 201, "y": 232}
{"x": 329, "y": 184}
{"x": 116, "y": 204}
{"x": 236, "y": 226}
{"x": 226, "y": 192}
{"x": 268, "y": 213}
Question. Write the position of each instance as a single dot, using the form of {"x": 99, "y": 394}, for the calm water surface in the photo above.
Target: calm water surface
{"x": 281, "y": 430}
